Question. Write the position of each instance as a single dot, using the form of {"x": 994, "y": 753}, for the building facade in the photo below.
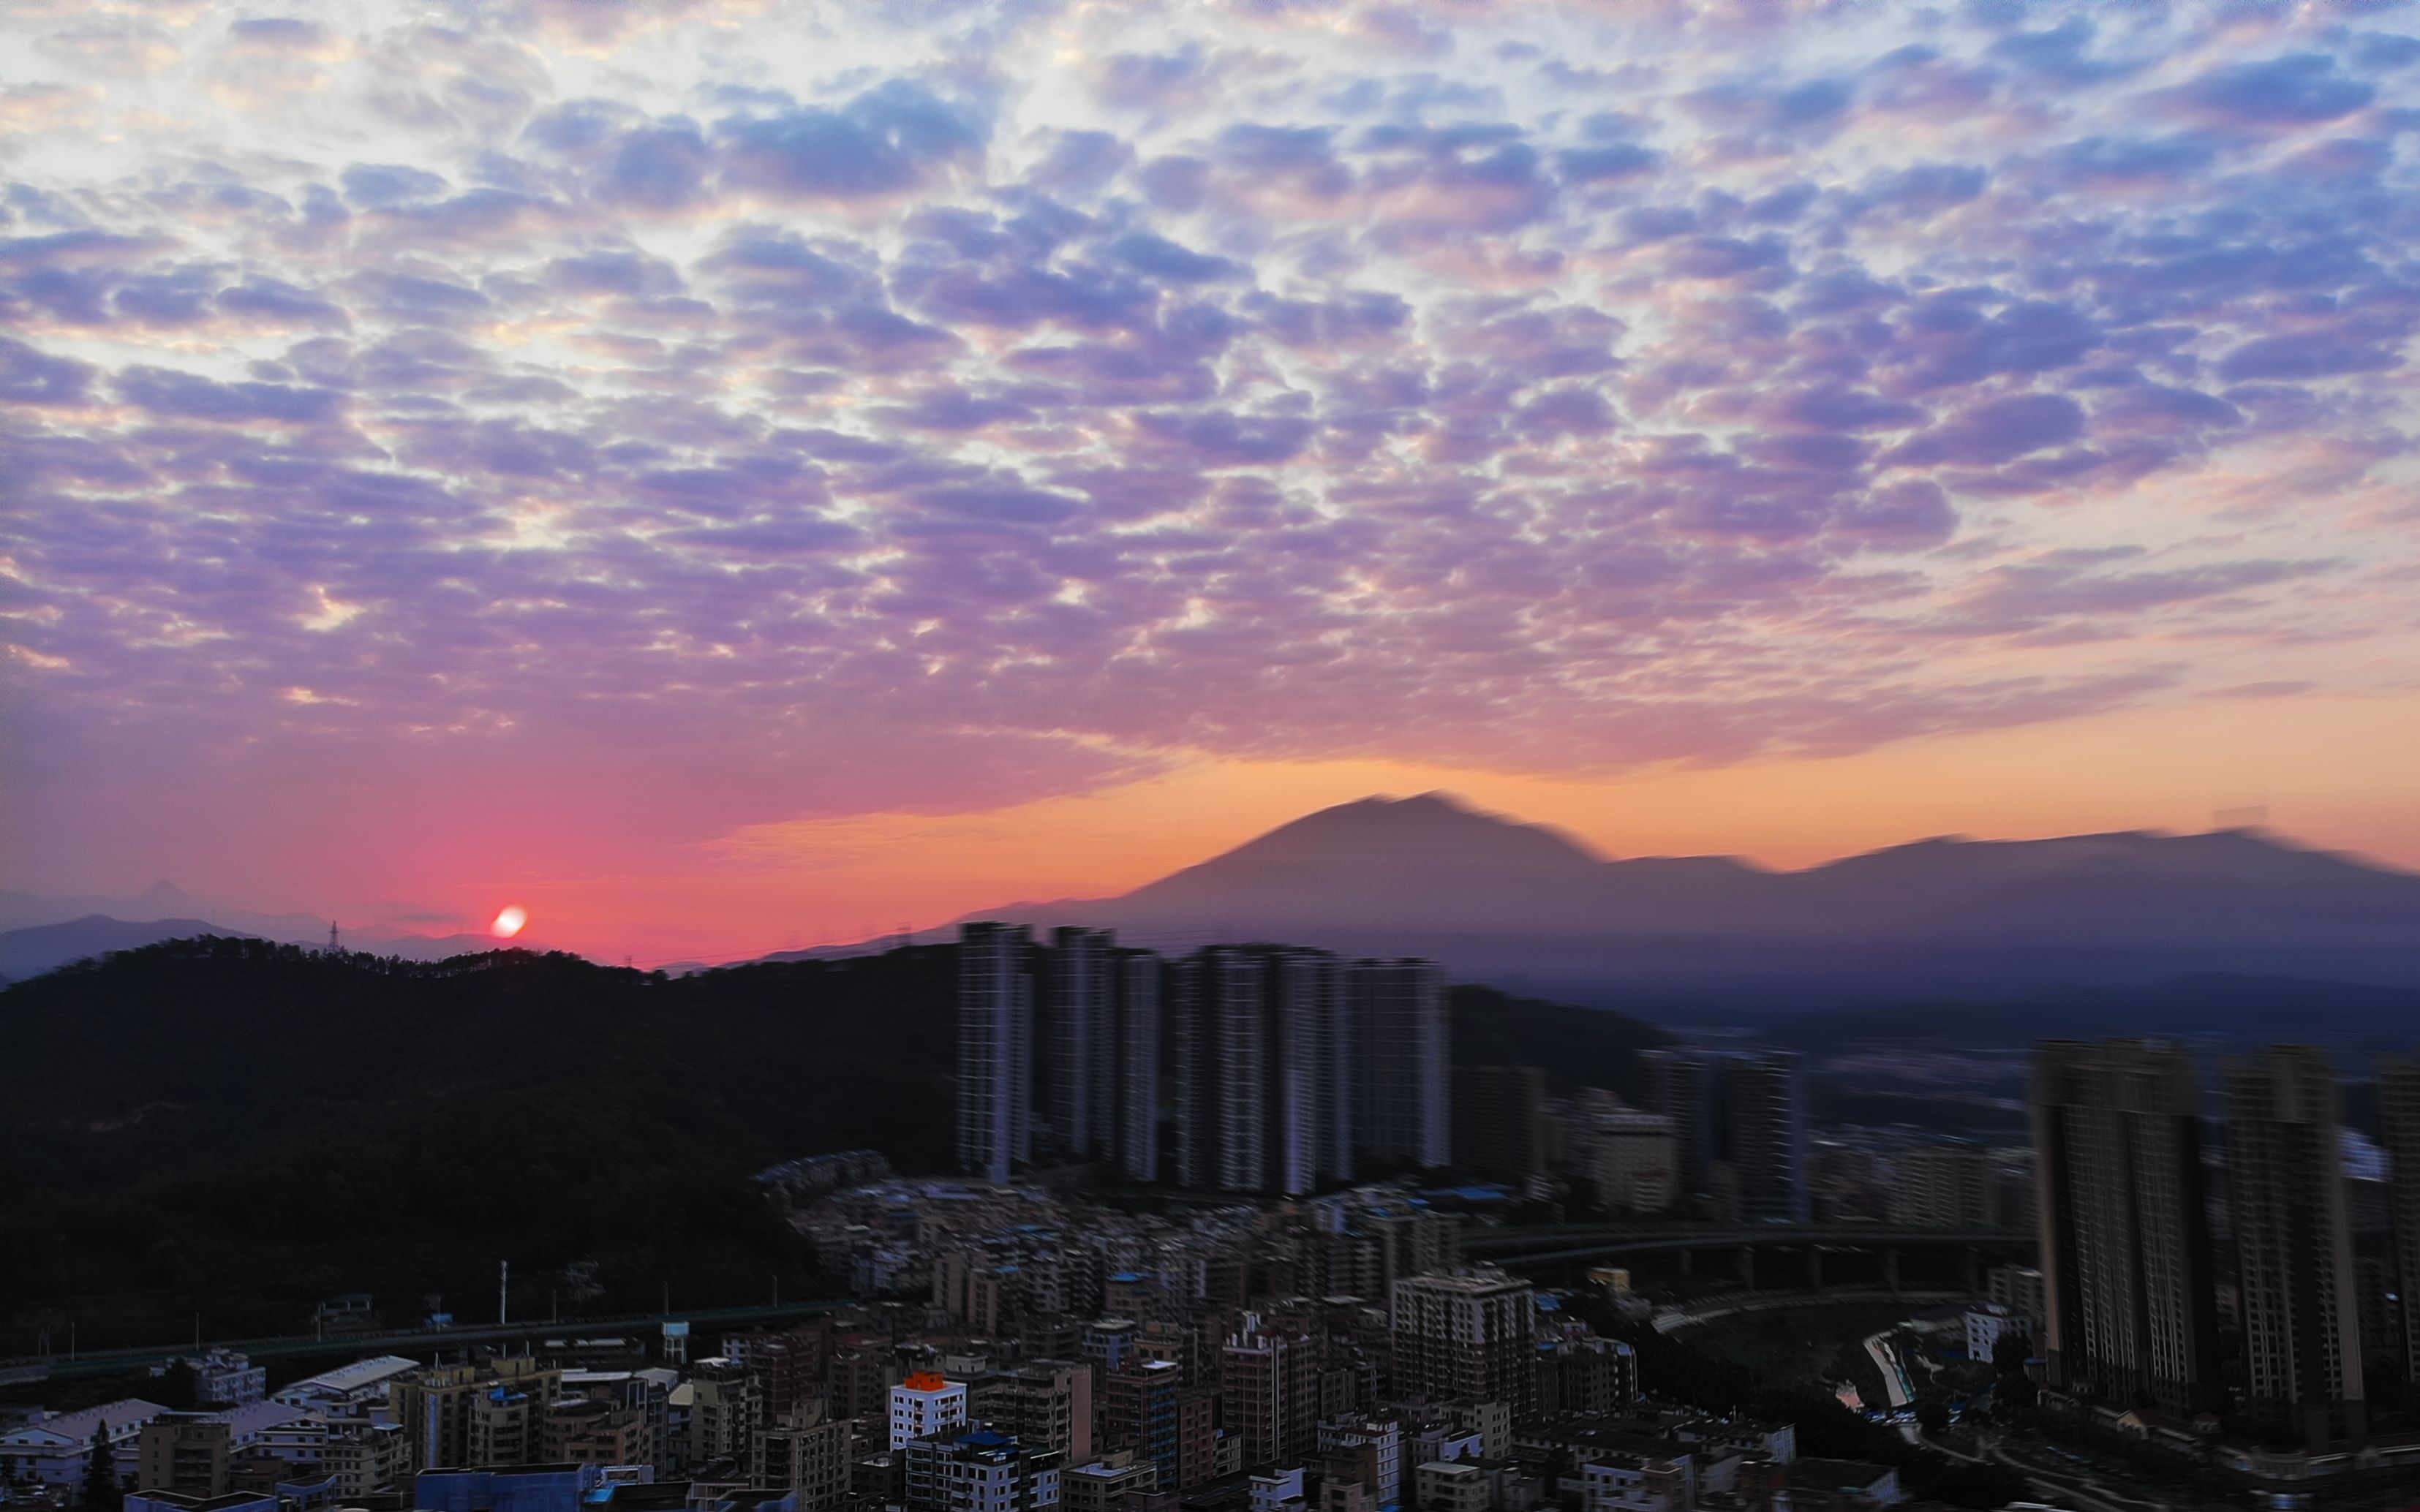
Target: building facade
{"x": 2126, "y": 1256}
{"x": 2293, "y": 1244}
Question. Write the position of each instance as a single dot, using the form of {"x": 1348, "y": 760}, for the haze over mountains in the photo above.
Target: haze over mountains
{"x": 1528, "y": 907}
{"x": 39, "y": 932}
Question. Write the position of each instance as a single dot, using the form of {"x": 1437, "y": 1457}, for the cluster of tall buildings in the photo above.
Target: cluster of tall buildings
{"x": 1739, "y": 1120}
{"x": 2133, "y": 1294}
{"x": 1244, "y": 1068}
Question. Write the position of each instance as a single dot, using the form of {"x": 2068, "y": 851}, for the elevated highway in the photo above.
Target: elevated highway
{"x": 1551, "y": 1246}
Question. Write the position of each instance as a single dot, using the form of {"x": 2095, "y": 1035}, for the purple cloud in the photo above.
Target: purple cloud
{"x": 1355, "y": 371}
{"x": 888, "y": 140}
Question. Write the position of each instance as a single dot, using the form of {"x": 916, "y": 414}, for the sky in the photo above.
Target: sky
{"x": 729, "y": 475}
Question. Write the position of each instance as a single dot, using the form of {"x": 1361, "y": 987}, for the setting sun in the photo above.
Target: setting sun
{"x": 510, "y": 922}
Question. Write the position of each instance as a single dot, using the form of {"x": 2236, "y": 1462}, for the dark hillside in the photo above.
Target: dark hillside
{"x": 241, "y": 1129}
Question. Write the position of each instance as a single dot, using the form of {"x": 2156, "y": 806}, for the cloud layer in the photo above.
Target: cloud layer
{"x": 750, "y": 415}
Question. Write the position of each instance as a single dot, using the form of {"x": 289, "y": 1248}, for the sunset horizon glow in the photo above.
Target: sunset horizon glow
{"x": 735, "y": 478}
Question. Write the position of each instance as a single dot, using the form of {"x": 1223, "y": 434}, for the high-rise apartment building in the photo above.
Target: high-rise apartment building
{"x": 1469, "y": 1335}
{"x": 1076, "y": 1020}
{"x": 1765, "y": 1117}
{"x": 1138, "y": 977}
{"x": 2398, "y": 1129}
{"x": 2293, "y": 1245}
{"x": 1739, "y": 1120}
{"x": 1308, "y": 1091}
{"x": 1267, "y": 1078}
{"x": 2125, "y": 1238}
{"x": 1401, "y": 1102}
{"x": 995, "y": 1049}
{"x": 1943, "y": 1186}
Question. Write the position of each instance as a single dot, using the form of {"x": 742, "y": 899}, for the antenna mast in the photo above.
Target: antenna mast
{"x": 332, "y": 947}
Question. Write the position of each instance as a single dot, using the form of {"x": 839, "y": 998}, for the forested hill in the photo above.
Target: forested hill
{"x": 242, "y": 1128}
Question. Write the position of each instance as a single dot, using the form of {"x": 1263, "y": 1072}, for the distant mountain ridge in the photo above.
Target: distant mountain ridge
{"x": 1526, "y": 907}
{"x": 39, "y": 933}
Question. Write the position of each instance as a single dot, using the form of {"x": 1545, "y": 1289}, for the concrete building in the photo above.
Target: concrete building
{"x": 2293, "y": 1245}
{"x": 924, "y": 1405}
{"x": 185, "y": 1451}
{"x": 726, "y": 1408}
{"x": 366, "y": 1458}
{"x": 225, "y": 1378}
{"x": 1466, "y": 1336}
{"x": 2019, "y": 1289}
{"x": 1990, "y": 1323}
{"x": 1450, "y": 1485}
{"x": 804, "y": 1453}
{"x": 1138, "y": 1415}
{"x": 1105, "y": 1483}
{"x": 2126, "y": 1258}
{"x": 1366, "y": 1451}
{"x": 1269, "y": 1385}
{"x": 438, "y": 1407}
{"x": 1633, "y": 1159}
{"x": 979, "y": 1471}
{"x": 1044, "y": 1405}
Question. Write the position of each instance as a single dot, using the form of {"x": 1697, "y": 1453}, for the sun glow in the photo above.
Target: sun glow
{"x": 511, "y": 921}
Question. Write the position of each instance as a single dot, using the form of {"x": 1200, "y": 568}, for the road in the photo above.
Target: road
{"x": 1765, "y": 1302}
{"x": 402, "y": 1341}
{"x": 2088, "y": 1487}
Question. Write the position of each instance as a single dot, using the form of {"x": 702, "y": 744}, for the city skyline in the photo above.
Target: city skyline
{"x": 712, "y": 473}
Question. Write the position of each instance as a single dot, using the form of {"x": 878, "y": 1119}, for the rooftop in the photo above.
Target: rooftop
{"x": 345, "y": 1379}
{"x": 80, "y": 1426}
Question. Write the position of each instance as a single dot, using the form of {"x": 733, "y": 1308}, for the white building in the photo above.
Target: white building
{"x": 228, "y": 1378}
{"x": 1985, "y": 1325}
{"x": 1637, "y": 1483}
{"x": 924, "y": 1405}
{"x": 348, "y": 1385}
{"x": 56, "y": 1449}
{"x": 1279, "y": 1490}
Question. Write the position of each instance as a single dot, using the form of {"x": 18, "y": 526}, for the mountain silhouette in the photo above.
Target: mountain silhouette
{"x": 1526, "y": 907}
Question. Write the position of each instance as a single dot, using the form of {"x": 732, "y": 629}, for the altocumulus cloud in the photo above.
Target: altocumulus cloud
{"x": 973, "y": 402}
